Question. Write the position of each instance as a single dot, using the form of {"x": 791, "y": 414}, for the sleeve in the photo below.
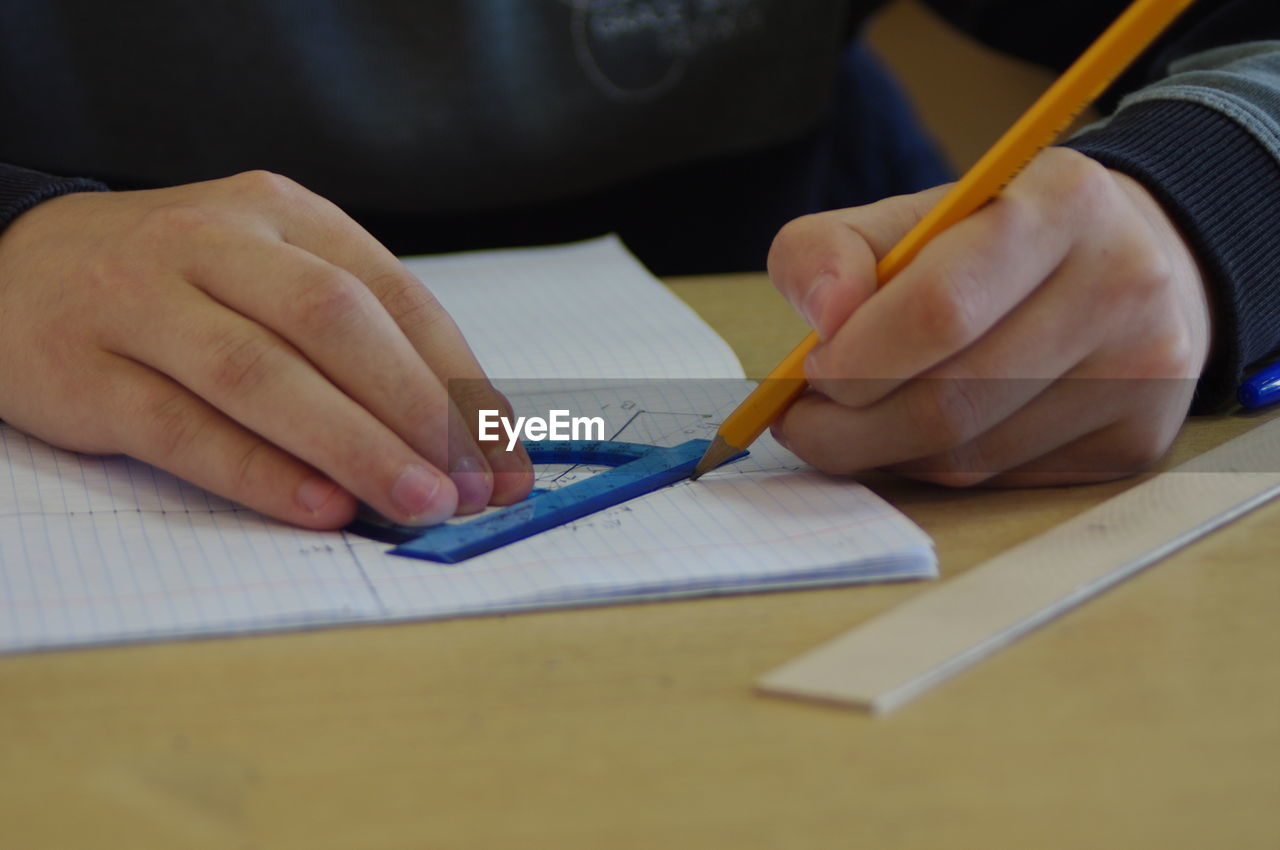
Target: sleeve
{"x": 21, "y": 189}
{"x": 1205, "y": 141}
{"x": 1196, "y": 120}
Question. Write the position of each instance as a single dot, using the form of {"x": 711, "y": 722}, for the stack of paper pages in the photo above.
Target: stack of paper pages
{"x": 108, "y": 549}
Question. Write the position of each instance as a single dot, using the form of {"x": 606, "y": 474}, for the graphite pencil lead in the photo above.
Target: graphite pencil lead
{"x": 717, "y": 453}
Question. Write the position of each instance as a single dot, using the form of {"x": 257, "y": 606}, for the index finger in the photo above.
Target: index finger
{"x": 318, "y": 226}
{"x": 954, "y": 292}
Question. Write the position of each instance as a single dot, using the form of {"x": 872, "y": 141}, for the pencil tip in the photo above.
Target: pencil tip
{"x": 717, "y": 453}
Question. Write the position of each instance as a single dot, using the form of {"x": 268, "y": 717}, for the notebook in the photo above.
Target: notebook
{"x": 96, "y": 549}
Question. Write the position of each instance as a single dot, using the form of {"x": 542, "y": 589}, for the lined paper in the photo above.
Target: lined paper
{"x": 110, "y": 549}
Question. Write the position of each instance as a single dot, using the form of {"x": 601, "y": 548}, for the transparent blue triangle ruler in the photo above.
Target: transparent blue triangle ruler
{"x": 635, "y": 469}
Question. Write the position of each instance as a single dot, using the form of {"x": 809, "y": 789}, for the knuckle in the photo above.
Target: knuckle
{"x": 788, "y": 240}
{"x": 326, "y": 301}
{"x": 1137, "y": 448}
{"x": 1171, "y": 354}
{"x": 413, "y": 307}
{"x": 802, "y": 243}
{"x": 430, "y": 417}
{"x": 476, "y": 393}
{"x": 176, "y": 425}
{"x": 1142, "y": 274}
{"x": 946, "y": 308}
{"x": 1082, "y": 181}
{"x": 266, "y": 184}
{"x": 1014, "y": 220}
{"x": 429, "y": 409}
{"x": 240, "y": 362}
{"x": 245, "y": 477}
{"x": 944, "y": 413}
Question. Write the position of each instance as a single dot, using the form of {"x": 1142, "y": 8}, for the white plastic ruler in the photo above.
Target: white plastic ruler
{"x": 889, "y": 660}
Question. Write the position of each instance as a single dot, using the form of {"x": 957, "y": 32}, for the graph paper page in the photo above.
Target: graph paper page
{"x": 587, "y": 310}
{"x": 99, "y": 550}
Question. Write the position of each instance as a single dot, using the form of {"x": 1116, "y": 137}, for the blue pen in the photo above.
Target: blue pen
{"x": 1261, "y": 389}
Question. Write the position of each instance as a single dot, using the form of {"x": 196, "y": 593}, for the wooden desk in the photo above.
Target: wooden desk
{"x": 1148, "y": 719}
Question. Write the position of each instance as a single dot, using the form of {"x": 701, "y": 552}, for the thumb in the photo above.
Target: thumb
{"x": 825, "y": 264}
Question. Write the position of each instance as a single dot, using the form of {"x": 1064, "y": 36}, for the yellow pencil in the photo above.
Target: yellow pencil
{"x": 1079, "y": 85}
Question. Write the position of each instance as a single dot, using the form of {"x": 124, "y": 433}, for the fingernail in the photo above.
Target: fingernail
{"x": 314, "y": 493}
{"x": 814, "y": 305}
{"x": 415, "y": 492}
{"x": 512, "y": 474}
{"x": 503, "y": 461}
{"x": 474, "y": 482}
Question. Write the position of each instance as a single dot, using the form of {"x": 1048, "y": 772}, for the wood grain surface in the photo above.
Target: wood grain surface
{"x": 1148, "y": 718}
